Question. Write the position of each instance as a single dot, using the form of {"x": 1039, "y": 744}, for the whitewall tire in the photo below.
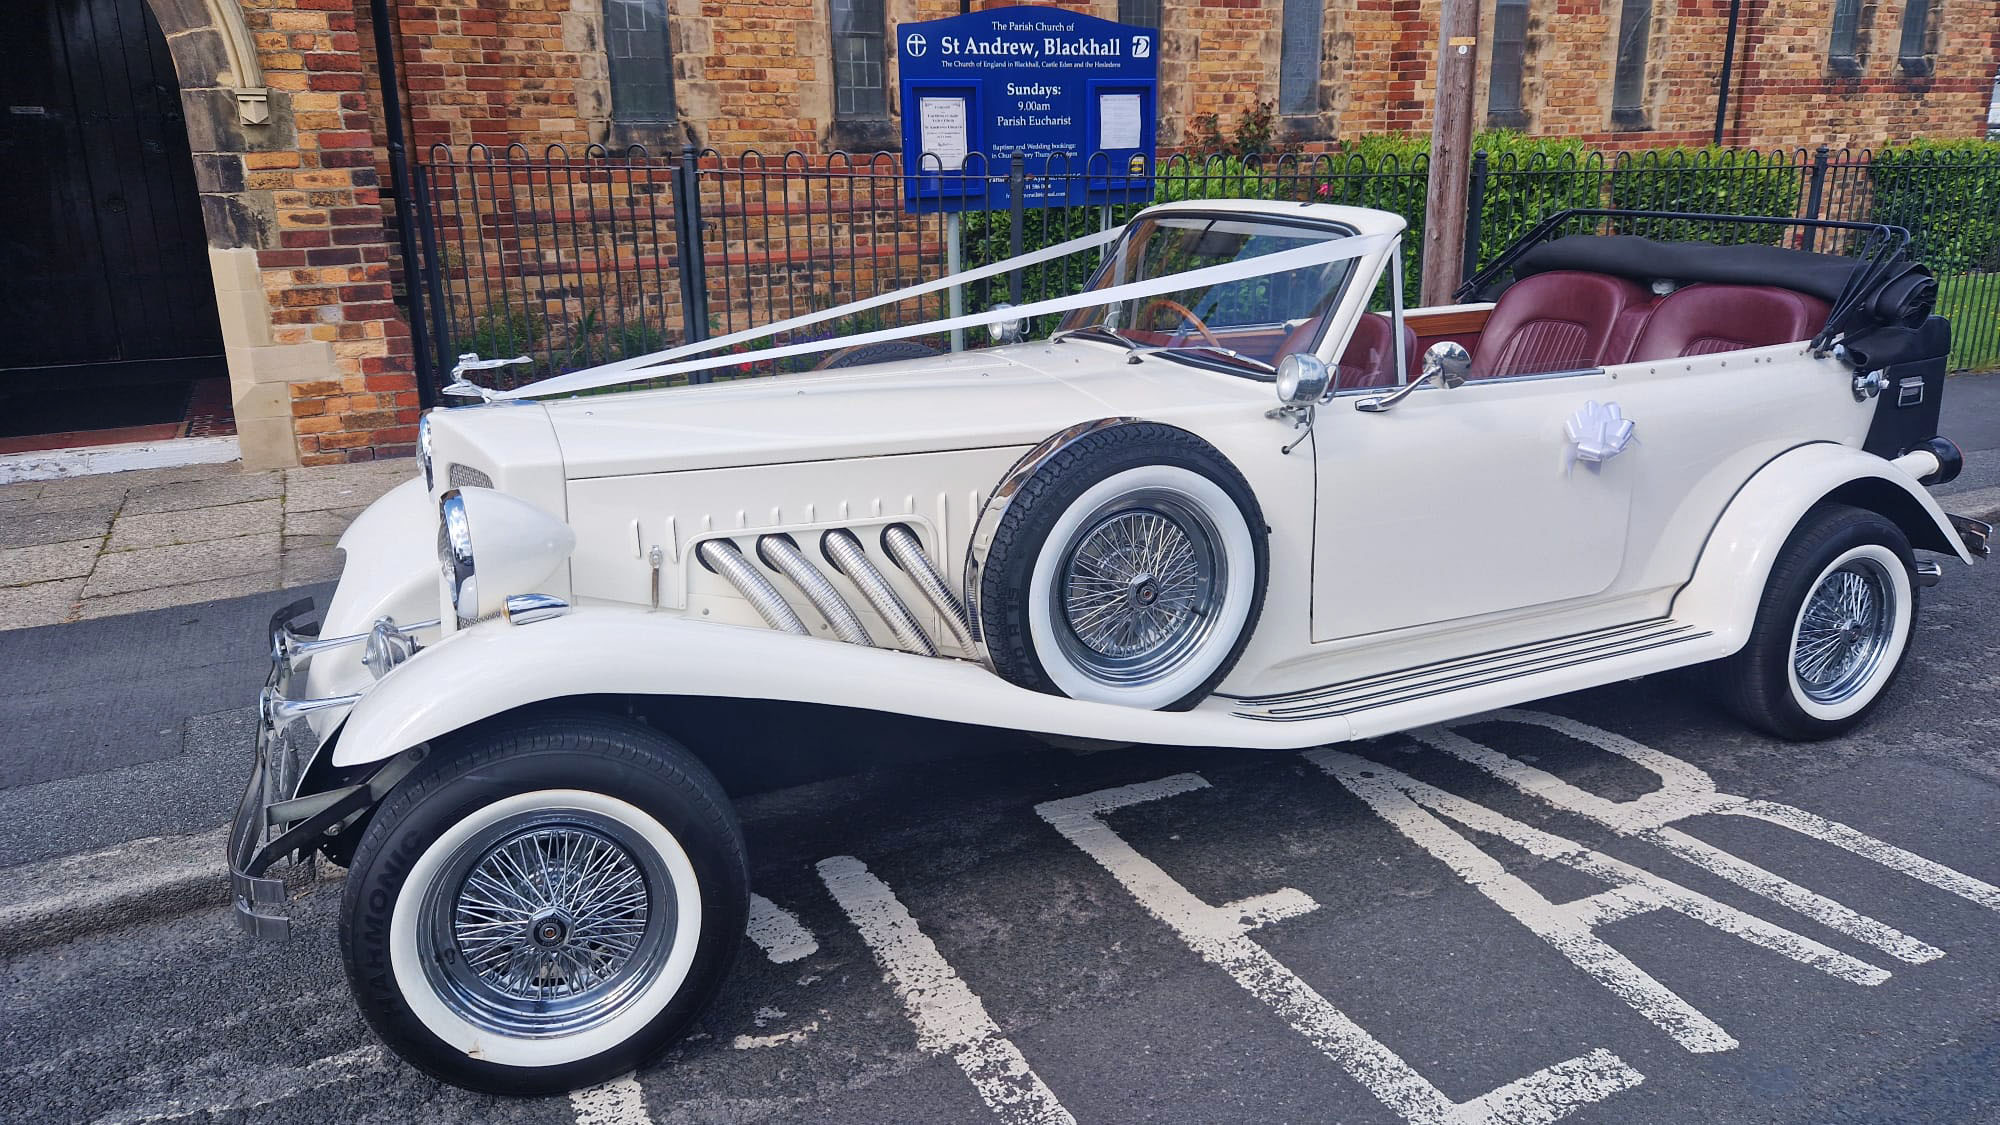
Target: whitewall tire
{"x": 544, "y": 907}
{"x": 1128, "y": 569}
{"x": 1832, "y": 629}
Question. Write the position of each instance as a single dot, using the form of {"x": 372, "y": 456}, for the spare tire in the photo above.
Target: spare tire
{"x": 1129, "y": 568}
{"x": 882, "y": 351}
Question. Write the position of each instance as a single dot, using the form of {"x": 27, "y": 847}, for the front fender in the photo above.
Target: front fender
{"x": 495, "y": 667}
{"x": 1736, "y": 561}
{"x": 390, "y": 571}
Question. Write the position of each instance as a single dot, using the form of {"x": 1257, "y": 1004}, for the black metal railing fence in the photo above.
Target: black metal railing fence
{"x": 577, "y": 258}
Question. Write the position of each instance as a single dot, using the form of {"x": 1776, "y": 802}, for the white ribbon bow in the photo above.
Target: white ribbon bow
{"x": 1598, "y": 432}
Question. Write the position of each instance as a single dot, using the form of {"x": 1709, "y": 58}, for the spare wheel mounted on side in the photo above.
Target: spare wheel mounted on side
{"x": 1126, "y": 565}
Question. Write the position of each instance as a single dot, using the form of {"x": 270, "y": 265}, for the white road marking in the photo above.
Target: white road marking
{"x": 317, "y": 1074}
{"x": 1217, "y": 934}
{"x": 1258, "y": 911}
{"x": 782, "y": 1038}
{"x": 1687, "y": 791}
{"x": 948, "y": 1015}
{"x": 1570, "y": 927}
{"x": 778, "y": 933}
{"x": 617, "y": 1102}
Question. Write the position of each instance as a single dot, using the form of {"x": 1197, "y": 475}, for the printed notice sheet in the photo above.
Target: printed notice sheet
{"x": 941, "y": 133}
{"x": 1118, "y": 123}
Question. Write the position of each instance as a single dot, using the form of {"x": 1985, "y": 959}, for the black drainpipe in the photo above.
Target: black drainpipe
{"x": 400, "y": 185}
{"x": 1729, "y": 65}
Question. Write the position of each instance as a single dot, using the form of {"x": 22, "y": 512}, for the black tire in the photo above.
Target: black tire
{"x": 1138, "y": 470}
{"x": 585, "y": 764}
{"x": 884, "y": 351}
{"x": 1764, "y": 685}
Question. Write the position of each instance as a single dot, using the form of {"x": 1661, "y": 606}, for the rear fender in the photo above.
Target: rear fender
{"x": 1736, "y": 562}
{"x": 494, "y": 667}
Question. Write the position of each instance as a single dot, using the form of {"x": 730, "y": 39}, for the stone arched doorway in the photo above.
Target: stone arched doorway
{"x": 282, "y": 143}
{"x": 107, "y": 331}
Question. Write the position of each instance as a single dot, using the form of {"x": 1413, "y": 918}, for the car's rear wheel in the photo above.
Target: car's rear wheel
{"x": 545, "y": 907}
{"x": 1832, "y": 629}
{"x": 1128, "y": 569}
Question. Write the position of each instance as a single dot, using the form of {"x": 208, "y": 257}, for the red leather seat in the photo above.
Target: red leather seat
{"x": 1705, "y": 319}
{"x": 1369, "y": 360}
{"x": 1562, "y": 320}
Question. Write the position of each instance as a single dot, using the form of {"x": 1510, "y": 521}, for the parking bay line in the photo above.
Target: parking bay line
{"x": 778, "y": 932}
{"x": 617, "y": 1102}
{"x": 948, "y": 1014}
{"x": 1218, "y": 934}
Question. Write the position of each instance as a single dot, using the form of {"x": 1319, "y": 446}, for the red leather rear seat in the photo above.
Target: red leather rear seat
{"x": 1705, "y": 318}
{"x": 1563, "y": 320}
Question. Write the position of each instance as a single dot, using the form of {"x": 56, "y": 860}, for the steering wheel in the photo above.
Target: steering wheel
{"x": 1186, "y": 313}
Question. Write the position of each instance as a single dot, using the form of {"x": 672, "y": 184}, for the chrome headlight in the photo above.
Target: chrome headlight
{"x": 520, "y": 546}
{"x": 455, "y": 556}
{"x": 424, "y": 450}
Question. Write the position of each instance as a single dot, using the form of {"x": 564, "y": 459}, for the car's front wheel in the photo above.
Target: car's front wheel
{"x": 546, "y": 906}
{"x": 1831, "y": 631}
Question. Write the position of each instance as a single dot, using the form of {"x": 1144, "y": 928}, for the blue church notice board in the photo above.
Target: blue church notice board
{"x": 1072, "y": 94}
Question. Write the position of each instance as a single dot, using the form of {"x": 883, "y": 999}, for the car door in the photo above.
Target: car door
{"x": 1461, "y": 502}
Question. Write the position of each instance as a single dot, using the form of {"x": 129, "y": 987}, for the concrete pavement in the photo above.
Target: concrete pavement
{"x": 97, "y": 546}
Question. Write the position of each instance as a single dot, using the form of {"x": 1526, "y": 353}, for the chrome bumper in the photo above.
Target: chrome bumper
{"x": 268, "y": 826}
{"x": 1977, "y": 535}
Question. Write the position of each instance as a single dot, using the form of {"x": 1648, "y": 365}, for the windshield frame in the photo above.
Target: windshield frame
{"x": 1197, "y": 354}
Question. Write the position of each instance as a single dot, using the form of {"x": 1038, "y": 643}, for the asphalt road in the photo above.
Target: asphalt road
{"x": 1248, "y": 937}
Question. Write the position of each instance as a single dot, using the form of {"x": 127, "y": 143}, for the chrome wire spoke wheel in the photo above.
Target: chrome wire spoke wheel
{"x": 1139, "y": 588}
{"x": 547, "y": 923}
{"x": 1845, "y": 629}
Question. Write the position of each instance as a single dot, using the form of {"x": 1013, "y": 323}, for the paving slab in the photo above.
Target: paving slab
{"x": 195, "y": 525}
{"x": 185, "y": 593}
{"x": 62, "y": 524}
{"x": 327, "y": 522}
{"x": 117, "y": 484}
{"x": 121, "y": 572}
{"x": 43, "y": 603}
{"x": 176, "y": 496}
{"x": 304, "y": 564}
{"x": 24, "y": 566}
{"x": 352, "y": 489}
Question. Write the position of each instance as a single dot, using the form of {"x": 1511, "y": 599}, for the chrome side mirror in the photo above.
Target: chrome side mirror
{"x": 1302, "y": 379}
{"x": 1444, "y": 361}
{"x": 1448, "y": 362}
{"x": 1006, "y": 331}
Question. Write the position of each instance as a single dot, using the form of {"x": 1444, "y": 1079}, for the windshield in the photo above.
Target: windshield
{"x": 1246, "y": 324}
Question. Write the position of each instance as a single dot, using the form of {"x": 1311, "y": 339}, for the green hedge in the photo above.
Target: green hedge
{"x": 1530, "y": 177}
{"x": 1947, "y": 194}
{"x": 1712, "y": 181}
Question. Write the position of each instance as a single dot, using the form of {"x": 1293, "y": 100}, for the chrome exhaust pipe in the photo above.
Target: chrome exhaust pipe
{"x": 780, "y": 555}
{"x": 844, "y": 551}
{"x": 725, "y": 559}
{"x": 902, "y": 545}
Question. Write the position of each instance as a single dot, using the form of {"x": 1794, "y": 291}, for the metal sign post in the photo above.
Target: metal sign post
{"x": 953, "y": 253}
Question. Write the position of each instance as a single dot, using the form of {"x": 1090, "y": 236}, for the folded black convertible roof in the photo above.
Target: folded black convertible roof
{"x": 1644, "y": 259}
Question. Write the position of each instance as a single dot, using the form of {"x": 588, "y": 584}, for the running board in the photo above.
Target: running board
{"x": 1429, "y": 681}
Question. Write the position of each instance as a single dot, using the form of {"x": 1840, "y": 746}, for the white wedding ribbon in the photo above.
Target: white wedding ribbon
{"x": 660, "y": 365}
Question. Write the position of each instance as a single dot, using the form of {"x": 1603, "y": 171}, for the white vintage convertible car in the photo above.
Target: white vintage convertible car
{"x": 1224, "y": 505}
